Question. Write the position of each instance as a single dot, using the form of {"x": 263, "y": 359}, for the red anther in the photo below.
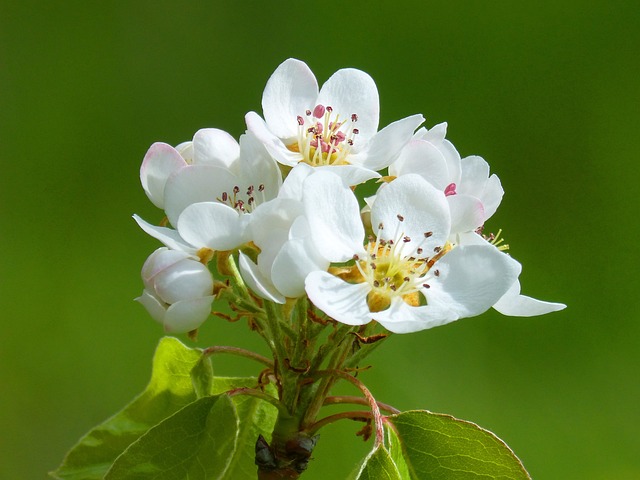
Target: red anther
{"x": 450, "y": 190}
{"x": 318, "y": 112}
{"x": 354, "y": 117}
{"x": 356, "y": 131}
{"x": 300, "y": 120}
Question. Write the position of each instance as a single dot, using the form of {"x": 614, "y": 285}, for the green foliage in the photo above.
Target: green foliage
{"x": 195, "y": 443}
{"x": 379, "y": 466}
{"x": 169, "y": 390}
{"x": 435, "y": 446}
{"x": 180, "y": 425}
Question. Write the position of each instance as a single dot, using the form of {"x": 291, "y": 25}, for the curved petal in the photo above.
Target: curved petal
{"x": 187, "y": 315}
{"x": 186, "y": 280}
{"x": 171, "y": 238}
{"x": 516, "y": 305}
{"x": 403, "y": 318}
{"x": 271, "y": 142}
{"x": 410, "y": 206}
{"x": 342, "y": 301}
{"x": 212, "y": 225}
{"x": 160, "y": 161}
{"x": 351, "y": 174}
{"x": 333, "y": 214}
{"x": 292, "y": 185}
{"x": 295, "y": 260}
{"x": 385, "y": 146}
{"x": 258, "y": 168}
{"x": 492, "y": 196}
{"x": 290, "y": 91}
{"x": 350, "y": 91}
{"x": 160, "y": 260}
{"x": 467, "y": 213}
{"x": 194, "y": 184}
{"x": 212, "y": 146}
{"x": 471, "y": 279}
{"x": 254, "y": 279}
{"x": 424, "y": 159}
{"x": 155, "y": 307}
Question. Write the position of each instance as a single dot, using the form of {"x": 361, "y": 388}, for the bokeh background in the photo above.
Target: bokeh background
{"x": 547, "y": 92}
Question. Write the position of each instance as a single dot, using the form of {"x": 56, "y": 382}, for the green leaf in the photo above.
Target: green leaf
{"x": 379, "y": 466}
{"x": 436, "y": 446}
{"x": 196, "y": 443}
{"x": 169, "y": 390}
{"x": 256, "y": 416}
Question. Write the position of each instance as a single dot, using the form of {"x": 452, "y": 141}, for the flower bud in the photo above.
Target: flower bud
{"x": 178, "y": 290}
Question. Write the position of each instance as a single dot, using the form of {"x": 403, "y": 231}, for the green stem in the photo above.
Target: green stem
{"x": 342, "y": 399}
{"x": 355, "y": 415}
{"x": 238, "y": 351}
{"x": 258, "y": 394}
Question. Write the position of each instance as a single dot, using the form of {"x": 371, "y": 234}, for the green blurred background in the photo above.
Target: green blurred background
{"x": 547, "y": 92}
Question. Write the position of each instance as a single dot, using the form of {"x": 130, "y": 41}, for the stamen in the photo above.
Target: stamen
{"x": 300, "y": 120}
{"x": 400, "y": 217}
{"x": 426, "y": 285}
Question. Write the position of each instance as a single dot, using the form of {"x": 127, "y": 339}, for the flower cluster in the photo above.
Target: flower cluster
{"x": 275, "y": 215}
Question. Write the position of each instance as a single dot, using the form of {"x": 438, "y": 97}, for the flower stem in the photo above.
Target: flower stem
{"x": 238, "y": 351}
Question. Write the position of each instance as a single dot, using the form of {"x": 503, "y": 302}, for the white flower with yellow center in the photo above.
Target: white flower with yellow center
{"x": 336, "y": 127}
{"x": 407, "y": 277}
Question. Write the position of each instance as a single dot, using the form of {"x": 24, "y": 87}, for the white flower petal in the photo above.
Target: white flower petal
{"x": 350, "y": 91}
{"x": 194, "y": 184}
{"x": 351, "y": 174}
{"x": 187, "y": 315}
{"x": 516, "y": 305}
{"x": 386, "y": 145}
{"x": 185, "y": 280}
{"x": 422, "y": 207}
{"x": 492, "y": 196}
{"x": 422, "y": 158}
{"x": 160, "y": 161}
{"x": 171, "y": 238}
{"x": 471, "y": 279}
{"x": 212, "y": 225}
{"x": 290, "y": 91}
{"x": 403, "y": 318}
{"x": 295, "y": 260}
{"x": 333, "y": 214}
{"x": 160, "y": 260}
{"x": 276, "y": 148}
{"x": 257, "y": 167}
{"x": 212, "y": 146}
{"x": 155, "y": 307}
{"x": 467, "y": 213}
{"x": 257, "y": 282}
{"x": 342, "y": 301}
{"x": 292, "y": 185}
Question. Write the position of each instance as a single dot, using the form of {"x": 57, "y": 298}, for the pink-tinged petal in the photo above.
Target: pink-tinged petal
{"x": 196, "y": 183}
{"x": 212, "y": 225}
{"x": 171, "y": 238}
{"x": 160, "y": 260}
{"x": 516, "y": 305}
{"x": 160, "y": 161}
{"x": 351, "y": 174}
{"x": 403, "y": 318}
{"x": 276, "y": 148}
{"x": 155, "y": 307}
{"x": 342, "y": 301}
{"x": 410, "y": 206}
{"x": 350, "y": 91}
{"x": 471, "y": 279}
{"x": 258, "y": 282}
{"x": 185, "y": 280}
{"x": 424, "y": 159}
{"x": 467, "y": 213}
{"x": 385, "y": 146}
{"x": 295, "y": 260}
{"x": 291, "y": 90}
{"x": 212, "y": 146}
{"x": 333, "y": 214}
{"x": 187, "y": 315}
